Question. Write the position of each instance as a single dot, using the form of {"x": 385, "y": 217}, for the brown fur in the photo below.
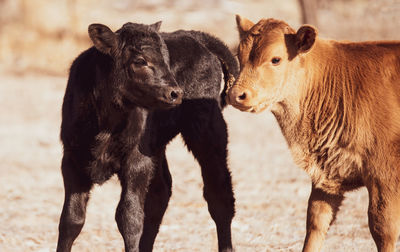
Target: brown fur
{"x": 338, "y": 105}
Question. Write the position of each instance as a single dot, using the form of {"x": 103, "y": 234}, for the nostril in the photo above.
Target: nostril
{"x": 174, "y": 95}
{"x": 242, "y": 96}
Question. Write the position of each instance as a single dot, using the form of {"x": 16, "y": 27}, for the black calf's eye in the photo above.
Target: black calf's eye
{"x": 140, "y": 62}
{"x": 275, "y": 61}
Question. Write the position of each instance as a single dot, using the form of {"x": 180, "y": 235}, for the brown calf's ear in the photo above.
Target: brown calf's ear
{"x": 243, "y": 25}
{"x": 305, "y": 38}
{"x": 103, "y": 38}
{"x": 156, "y": 26}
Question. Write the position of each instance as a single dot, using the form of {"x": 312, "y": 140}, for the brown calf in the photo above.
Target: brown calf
{"x": 338, "y": 105}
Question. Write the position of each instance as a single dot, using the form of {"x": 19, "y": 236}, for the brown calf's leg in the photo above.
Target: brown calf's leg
{"x": 321, "y": 212}
{"x": 384, "y": 216}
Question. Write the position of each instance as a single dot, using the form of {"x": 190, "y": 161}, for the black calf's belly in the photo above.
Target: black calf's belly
{"x": 105, "y": 162}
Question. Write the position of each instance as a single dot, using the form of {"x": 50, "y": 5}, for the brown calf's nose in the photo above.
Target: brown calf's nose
{"x": 240, "y": 96}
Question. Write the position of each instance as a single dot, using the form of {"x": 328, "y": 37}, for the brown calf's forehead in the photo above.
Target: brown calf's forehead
{"x": 267, "y": 25}
{"x": 254, "y": 46}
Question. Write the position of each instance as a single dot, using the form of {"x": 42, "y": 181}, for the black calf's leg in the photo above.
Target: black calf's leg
{"x": 204, "y": 131}
{"x": 74, "y": 209}
{"x": 130, "y": 209}
{"x": 156, "y": 203}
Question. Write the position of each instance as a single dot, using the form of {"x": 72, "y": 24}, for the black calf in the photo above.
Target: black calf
{"x": 113, "y": 123}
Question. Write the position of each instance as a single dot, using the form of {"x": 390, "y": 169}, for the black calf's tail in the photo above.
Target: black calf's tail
{"x": 229, "y": 63}
{"x": 229, "y": 79}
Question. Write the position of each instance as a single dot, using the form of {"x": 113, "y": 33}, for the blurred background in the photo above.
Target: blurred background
{"x": 38, "y": 41}
{"x": 44, "y": 36}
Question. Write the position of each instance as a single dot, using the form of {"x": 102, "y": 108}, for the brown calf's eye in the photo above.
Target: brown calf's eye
{"x": 275, "y": 61}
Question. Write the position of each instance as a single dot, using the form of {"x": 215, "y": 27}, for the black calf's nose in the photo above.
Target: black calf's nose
{"x": 174, "y": 95}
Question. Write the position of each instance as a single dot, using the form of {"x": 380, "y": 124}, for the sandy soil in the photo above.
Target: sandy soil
{"x": 271, "y": 192}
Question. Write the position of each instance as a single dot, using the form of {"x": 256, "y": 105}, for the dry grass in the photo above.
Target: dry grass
{"x": 271, "y": 192}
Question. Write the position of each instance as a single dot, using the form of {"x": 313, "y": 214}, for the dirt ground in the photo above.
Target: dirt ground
{"x": 271, "y": 192}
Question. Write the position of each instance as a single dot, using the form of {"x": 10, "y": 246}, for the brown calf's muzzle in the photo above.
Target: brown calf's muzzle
{"x": 240, "y": 97}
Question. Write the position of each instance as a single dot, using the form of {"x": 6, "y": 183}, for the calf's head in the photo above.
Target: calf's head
{"x": 270, "y": 55}
{"x": 140, "y": 72}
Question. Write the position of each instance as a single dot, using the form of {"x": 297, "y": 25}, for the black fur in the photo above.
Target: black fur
{"x": 113, "y": 124}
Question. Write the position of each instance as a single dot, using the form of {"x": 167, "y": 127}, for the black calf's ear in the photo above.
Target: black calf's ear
{"x": 156, "y": 26}
{"x": 103, "y": 38}
{"x": 305, "y": 38}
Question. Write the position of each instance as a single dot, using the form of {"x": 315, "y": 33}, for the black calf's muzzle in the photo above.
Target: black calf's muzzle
{"x": 173, "y": 95}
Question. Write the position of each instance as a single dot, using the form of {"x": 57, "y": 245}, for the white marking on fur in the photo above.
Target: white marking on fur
{"x": 222, "y": 84}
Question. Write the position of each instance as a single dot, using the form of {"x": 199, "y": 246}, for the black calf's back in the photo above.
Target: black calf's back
{"x": 197, "y": 61}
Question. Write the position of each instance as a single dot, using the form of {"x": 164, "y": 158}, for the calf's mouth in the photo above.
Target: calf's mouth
{"x": 241, "y": 100}
{"x": 260, "y": 107}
